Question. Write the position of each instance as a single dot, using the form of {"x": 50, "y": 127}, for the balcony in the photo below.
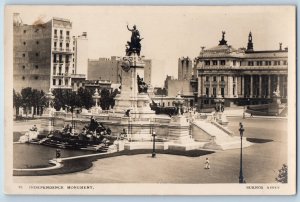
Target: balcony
{"x": 206, "y": 83}
{"x": 214, "y": 83}
{"x": 222, "y": 83}
{"x": 78, "y": 76}
{"x": 62, "y": 86}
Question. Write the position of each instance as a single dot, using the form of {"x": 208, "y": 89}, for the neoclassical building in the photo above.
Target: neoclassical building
{"x": 241, "y": 76}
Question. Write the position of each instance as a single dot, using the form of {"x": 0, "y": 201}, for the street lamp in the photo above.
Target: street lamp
{"x": 153, "y": 151}
{"x": 241, "y": 177}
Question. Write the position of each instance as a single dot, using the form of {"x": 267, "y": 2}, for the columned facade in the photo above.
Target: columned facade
{"x": 241, "y": 77}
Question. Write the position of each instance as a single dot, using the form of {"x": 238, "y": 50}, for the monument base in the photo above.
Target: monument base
{"x": 179, "y": 130}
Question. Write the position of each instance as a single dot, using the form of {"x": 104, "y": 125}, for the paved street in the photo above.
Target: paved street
{"x": 261, "y": 162}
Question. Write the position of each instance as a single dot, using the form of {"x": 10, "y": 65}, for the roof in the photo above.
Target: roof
{"x": 226, "y": 51}
{"x": 220, "y": 51}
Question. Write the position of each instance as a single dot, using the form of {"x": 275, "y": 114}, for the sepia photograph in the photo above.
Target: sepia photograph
{"x": 150, "y": 100}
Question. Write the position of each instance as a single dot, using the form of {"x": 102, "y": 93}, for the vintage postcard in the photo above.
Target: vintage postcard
{"x": 150, "y": 100}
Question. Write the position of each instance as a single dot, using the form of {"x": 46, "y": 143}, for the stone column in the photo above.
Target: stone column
{"x": 251, "y": 86}
{"x": 218, "y": 87}
{"x": 243, "y": 86}
{"x": 269, "y": 86}
{"x": 210, "y": 86}
{"x": 260, "y": 86}
{"x": 230, "y": 86}
{"x": 278, "y": 84}
{"x": 236, "y": 86}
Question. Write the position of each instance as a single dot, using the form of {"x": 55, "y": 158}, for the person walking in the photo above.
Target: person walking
{"x": 207, "y": 165}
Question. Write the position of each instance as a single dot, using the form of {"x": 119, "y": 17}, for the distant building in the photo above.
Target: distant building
{"x": 81, "y": 54}
{"x": 240, "y": 76}
{"x": 44, "y": 54}
{"x": 110, "y": 69}
{"x": 185, "y": 68}
{"x": 92, "y": 85}
{"x": 182, "y": 87}
{"x": 105, "y": 69}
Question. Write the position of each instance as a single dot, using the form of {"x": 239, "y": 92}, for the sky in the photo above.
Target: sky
{"x": 170, "y": 32}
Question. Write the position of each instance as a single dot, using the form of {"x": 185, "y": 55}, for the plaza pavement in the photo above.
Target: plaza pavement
{"x": 261, "y": 162}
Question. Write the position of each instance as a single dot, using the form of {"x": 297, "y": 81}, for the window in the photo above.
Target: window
{"x": 23, "y": 77}
{"x": 207, "y": 78}
{"x": 68, "y": 33}
{"x": 67, "y": 59}
{"x": 222, "y": 78}
{"x": 215, "y": 78}
{"x": 214, "y": 91}
{"x": 55, "y": 44}
{"x": 23, "y": 66}
{"x": 37, "y": 54}
{"x": 168, "y": 103}
{"x": 23, "y": 55}
{"x": 222, "y": 62}
{"x": 54, "y": 82}
{"x": 60, "y": 44}
{"x": 54, "y": 58}
{"x": 36, "y": 66}
{"x": 55, "y": 31}
{"x": 60, "y": 58}
{"x": 36, "y": 77}
{"x": 284, "y": 62}
{"x": 67, "y": 45}
{"x": 24, "y": 31}
{"x": 207, "y": 91}
{"x": 234, "y": 62}
{"x": 250, "y": 63}
{"x": 207, "y": 62}
{"x": 37, "y": 42}
{"x": 268, "y": 63}
{"x": 24, "y": 43}
{"x": 215, "y": 62}
{"x": 259, "y": 63}
{"x": 222, "y": 92}
{"x": 276, "y": 63}
{"x": 59, "y": 82}
{"x": 61, "y": 32}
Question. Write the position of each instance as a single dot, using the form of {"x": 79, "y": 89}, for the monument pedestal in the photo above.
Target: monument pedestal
{"x": 179, "y": 130}
{"x": 138, "y": 103}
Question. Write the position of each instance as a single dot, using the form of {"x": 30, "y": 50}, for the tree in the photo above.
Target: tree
{"x": 86, "y": 98}
{"x": 282, "y": 174}
{"x": 26, "y": 94}
{"x": 17, "y": 101}
{"x": 105, "y": 99}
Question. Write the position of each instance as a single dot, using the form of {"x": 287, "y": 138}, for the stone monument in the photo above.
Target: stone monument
{"x": 48, "y": 114}
{"x": 133, "y": 97}
{"x": 179, "y": 126}
{"x": 96, "y": 97}
{"x": 219, "y": 116}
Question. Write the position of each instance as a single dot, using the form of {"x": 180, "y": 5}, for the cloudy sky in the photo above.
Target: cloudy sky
{"x": 170, "y": 32}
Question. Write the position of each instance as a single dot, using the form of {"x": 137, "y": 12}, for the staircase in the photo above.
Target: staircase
{"x": 217, "y": 138}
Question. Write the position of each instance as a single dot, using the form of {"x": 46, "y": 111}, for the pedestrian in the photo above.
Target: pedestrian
{"x": 207, "y": 165}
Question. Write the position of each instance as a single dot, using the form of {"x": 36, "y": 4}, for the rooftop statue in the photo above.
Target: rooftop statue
{"x": 134, "y": 45}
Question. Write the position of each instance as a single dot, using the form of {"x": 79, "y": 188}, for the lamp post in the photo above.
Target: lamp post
{"x": 153, "y": 151}
{"x": 241, "y": 177}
